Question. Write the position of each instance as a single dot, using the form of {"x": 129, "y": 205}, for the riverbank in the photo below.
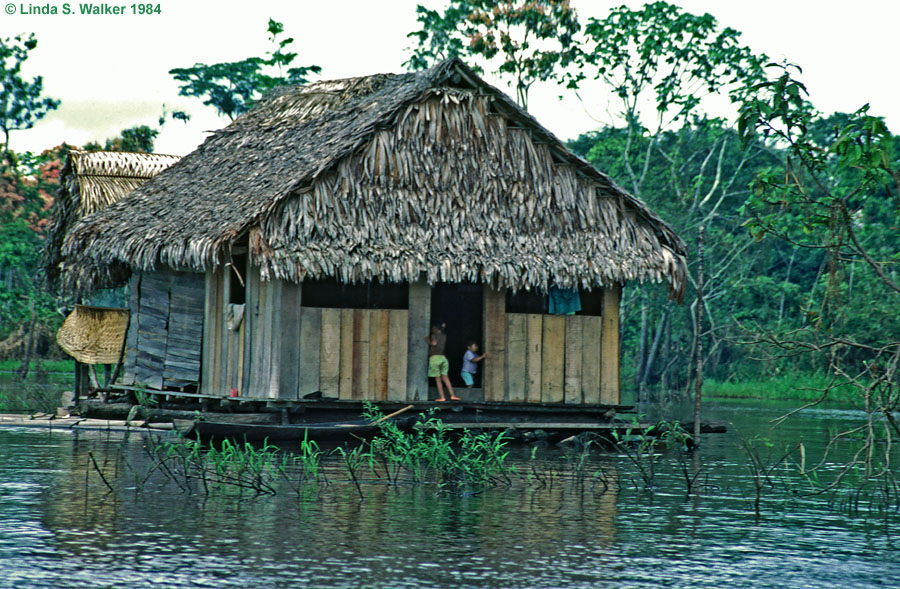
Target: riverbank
{"x": 803, "y": 388}
{"x": 41, "y": 389}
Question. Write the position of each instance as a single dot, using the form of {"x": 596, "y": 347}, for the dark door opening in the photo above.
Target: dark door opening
{"x": 460, "y": 307}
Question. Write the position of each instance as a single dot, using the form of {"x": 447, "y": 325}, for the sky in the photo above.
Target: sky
{"x": 110, "y": 71}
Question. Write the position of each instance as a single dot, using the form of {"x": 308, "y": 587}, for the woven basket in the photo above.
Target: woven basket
{"x": 94, "y": 335}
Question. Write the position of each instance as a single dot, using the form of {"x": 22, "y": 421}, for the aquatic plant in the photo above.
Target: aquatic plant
{"x": 642, "y": 450}
{"x": 471, "y": 460}
{"x": 762, "y": 461}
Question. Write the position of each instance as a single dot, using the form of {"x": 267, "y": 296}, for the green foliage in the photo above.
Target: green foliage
{"x": 21, "y": 104}
{"x": 139, "y": 138}
{"x": 528, "y": 42}
{"x": 26, "y": 197}
{"x": 837, "y": 194}
{"x": 833, "y": 195}
{"x": 232, "y": 87}
{"x": 676, "y": 56}
{"x": 658, "y": 63}
{"x": 40, "y": 391}
{"x": 472, "y": 460}
{"x": 781, "y": 387}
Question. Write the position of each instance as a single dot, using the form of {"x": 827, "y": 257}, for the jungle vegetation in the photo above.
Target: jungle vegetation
{"x": 801, "y": 208}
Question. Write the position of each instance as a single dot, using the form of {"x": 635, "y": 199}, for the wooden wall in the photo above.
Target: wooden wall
{"x": 165, "y": 331}
{"x": 285, "y": 350}
{"x": 354, "y": 354}
{"x": 534, "y": 358}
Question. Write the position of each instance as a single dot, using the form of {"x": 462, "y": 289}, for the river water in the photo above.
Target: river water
{"x": 60, "y": 527}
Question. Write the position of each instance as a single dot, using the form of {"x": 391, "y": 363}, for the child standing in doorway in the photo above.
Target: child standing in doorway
{"x": 438, "y": 366}
{"x": 470, "y": 366}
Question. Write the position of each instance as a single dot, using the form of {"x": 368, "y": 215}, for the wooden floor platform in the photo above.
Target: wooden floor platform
{"x": 53, "y": 422}
{"x": 549, "y": 425}
{"x": 334, "y": 405}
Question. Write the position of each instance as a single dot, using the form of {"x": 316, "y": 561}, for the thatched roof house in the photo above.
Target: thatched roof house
{"x": 90, "y": 182}
{"x": 421, "y": 179}
{"x": 390, "y": 177}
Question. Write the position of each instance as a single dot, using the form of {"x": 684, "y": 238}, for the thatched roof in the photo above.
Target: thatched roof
{"x": 387, "y": 177}
{"x": 90, "y": 182}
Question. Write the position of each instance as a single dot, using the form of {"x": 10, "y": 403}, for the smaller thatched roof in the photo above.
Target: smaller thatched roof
{"x": 90, "y": 182}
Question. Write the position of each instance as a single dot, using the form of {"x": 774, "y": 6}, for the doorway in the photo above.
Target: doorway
{"x": 460, "y": 307}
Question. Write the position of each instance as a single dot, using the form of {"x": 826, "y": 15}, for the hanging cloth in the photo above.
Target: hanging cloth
{"x": 564, "y": 301}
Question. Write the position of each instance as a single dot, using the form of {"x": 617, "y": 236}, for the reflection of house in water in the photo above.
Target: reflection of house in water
{"x": 309, "y": 246}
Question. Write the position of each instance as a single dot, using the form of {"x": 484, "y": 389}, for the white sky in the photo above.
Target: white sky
{"x": 111, "y": 71}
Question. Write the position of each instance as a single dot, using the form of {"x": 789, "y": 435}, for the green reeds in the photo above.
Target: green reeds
{"x": 428, "y": 453}
{"x": 785, "y": 387}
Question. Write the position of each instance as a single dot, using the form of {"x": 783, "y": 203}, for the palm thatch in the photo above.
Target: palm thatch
{"x": 90, "y": 182}
{"x": 387, "y": 177}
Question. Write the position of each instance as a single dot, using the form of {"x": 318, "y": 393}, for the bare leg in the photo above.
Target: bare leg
{"x": 441, "y": 389}
{"x": 446, "y": 380}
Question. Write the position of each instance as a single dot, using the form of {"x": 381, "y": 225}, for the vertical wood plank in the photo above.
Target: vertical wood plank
{"x": 494, "y": 343}
{"x": 152, "y": 329}
{"x": 254, "y": 334}
{"x": 310, "y": 349}
{"x": 242, "y": 331}
{"x": 346, "y": 360}
{"x": 289, "y": 342}
{"x": 553, "y": 359}
{"x": 262, "y": 342}
{"x": 534, "y": 327}
{"x": 274, "y": 317}
{"x": 131, "y": 340}
{"x": 330, "y": 372}
{"x": 379, "y": 332}
{"x": 234, "y": 353}
{"x": 418, "y": 329}
{"x": 516, "y": 357}
{"x": 609, "y": 347}
{"x": 398, "y": 344}
{"x": 228, "y": 338}
{"x": 215, "y": 348}
{"x": 590, "y": 359}
{"x": 251, "y": 301}
{"x": 361, "y": 354}
{"x": 573, "y": 376}
{"x": 184, "y": 337}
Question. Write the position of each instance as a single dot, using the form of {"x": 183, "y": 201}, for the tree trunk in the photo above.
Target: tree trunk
{"x": 698, "y": 378}
{"x": 654, "y": 347}
{"x": 642, "y": 341}
{"x": 667, "y": 354}
{"x": 29, "y": 346}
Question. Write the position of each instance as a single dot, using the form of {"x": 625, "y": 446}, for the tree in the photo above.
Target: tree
{"x": 671, "y": 59}
{"x": 26, "y": 198}
{"x": 139, "y": 138}
{"x": 660, "y": 63}
{"x": 232, "y": 87}
{"x": 21, "y": 104}
{"x": 837, "y": 194}
{"x": 528, "y": 41}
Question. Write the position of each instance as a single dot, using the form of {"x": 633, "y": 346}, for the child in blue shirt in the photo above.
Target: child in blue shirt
{"x": 469, "y": 367}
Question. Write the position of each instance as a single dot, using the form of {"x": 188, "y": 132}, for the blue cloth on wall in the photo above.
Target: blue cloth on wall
{"x": 564, "y": 301}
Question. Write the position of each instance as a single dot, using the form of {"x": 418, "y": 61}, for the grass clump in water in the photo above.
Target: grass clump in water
{"x": 474, "y": 460}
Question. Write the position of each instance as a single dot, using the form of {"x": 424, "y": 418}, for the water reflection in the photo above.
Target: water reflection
{"x": 59, "y": 526}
